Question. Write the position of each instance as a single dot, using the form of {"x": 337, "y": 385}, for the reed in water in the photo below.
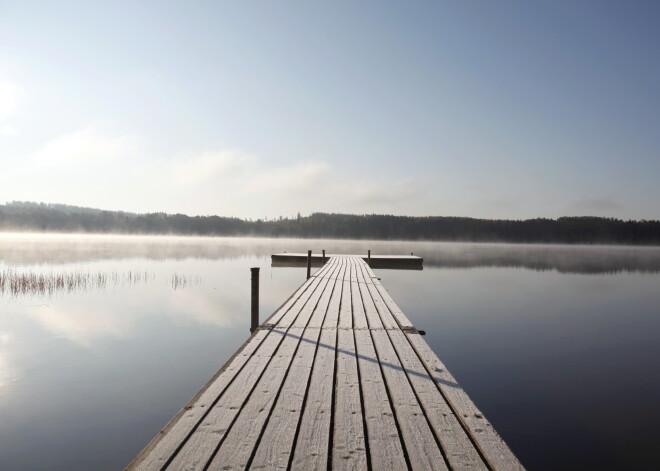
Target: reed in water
{"x": 18, "y": 283}
{"x": 183, "y": 281}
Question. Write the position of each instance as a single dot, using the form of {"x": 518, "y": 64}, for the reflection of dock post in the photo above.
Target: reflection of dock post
{"x": 309, "y": 264}
{"x": 255, "y": 299}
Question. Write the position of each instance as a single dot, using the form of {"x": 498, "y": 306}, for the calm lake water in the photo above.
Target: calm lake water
{"x": 558, "y": 345}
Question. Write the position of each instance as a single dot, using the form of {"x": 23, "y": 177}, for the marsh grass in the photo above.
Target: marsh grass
{"x": 16, "y": 283}
{"x": 183, "y": 281}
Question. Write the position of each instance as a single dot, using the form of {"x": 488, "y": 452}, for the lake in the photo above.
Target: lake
{"x": 104, "y": 338}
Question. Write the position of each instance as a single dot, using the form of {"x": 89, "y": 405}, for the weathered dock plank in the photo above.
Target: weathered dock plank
{"x": 337, "y": 378}
{"x": 494, "y": 450}
{"x": 348, "y": 441}
{"x": 312, "y": 444}
{"x": 458, "y": 448}
{"x": 421, "y": 449}
{"x": 401, "y": 319}
{"x": 349, "y": 450}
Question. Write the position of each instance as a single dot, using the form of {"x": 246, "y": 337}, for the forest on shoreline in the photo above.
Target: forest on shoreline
{"x": 19, "y": 216}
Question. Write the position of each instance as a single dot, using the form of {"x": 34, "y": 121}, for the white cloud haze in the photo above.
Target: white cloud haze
{"x": 210, "y": 166}
{"x": 299, "y": 180}
{"x": 99, "y": 167}
{"x": 90, "y": 144}
{"x": 10, "y": 94}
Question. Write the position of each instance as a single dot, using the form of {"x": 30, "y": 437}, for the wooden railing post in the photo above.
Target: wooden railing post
{"x": 255, "y": 299}
{"x": 309, "y": 264}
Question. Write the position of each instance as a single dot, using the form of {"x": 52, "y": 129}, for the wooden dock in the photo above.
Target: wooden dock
{"x": 404, "y": 262}
{"x": 337, "y": 378}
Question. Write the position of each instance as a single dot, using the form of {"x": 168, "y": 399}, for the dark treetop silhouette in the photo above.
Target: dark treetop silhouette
{"x": 27, "y": 216}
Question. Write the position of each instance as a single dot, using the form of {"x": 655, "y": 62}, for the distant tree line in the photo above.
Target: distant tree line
{"x": 28, "y": 216}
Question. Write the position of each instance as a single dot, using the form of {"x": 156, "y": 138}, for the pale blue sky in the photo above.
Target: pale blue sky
{"x": 510, "y": 109}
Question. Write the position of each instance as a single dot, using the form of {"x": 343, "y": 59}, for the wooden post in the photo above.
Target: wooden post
{"x": 369, "y": 257}
{"x": 309, "y": 264}
{"x": 324, "y": 256}
{"x": 255, "y": 299}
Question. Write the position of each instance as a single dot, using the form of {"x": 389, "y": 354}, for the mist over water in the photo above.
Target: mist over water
{"x": 556, "y": 344}
{"x": 26, "y": 249}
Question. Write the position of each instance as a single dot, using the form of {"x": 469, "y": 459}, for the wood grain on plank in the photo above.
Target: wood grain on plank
{"x": 306, "y": 287}
{"x": 385, "y": 449}
{"x": 373, "y": 318}
{"x": 276, "y": 444}
{"x": 312, "y": 444}
{"x": 317, "y": 319}
{"x": 457, "y": 446}
{"x": 359, "y": 315}
{"x": 384, "y": 314}
{"x": 293, "y": 362}
{"x": 291, "y": 317}
{"x": 346, "y": 309}
{"x": 285, "y": 380}
{"x": 186, "y": 421}
{"x": 160, "y": 450}
{"x": 332, "y": 316}
{"x": 402, "y": 319}
{"x": 348, "y": 444}
{"x": 274, "y": 448}
{"x": 498, "y": 455}
{"x": 201, "y": 445}
{"x": 421, "y": 446}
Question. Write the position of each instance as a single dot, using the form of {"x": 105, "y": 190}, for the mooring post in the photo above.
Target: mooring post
{"x": 324, "y": 256}
{"x": 369, "y": 257}
{"x": 309, "y": 264}
{"x": 255, "y": 299}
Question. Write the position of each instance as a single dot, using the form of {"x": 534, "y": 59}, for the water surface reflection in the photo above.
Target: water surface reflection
{"x": 563, "y": 362}
{"x": 31, "y": 249}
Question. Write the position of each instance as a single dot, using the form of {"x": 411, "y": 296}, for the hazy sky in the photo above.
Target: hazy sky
{"x": 508, "y": 109}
